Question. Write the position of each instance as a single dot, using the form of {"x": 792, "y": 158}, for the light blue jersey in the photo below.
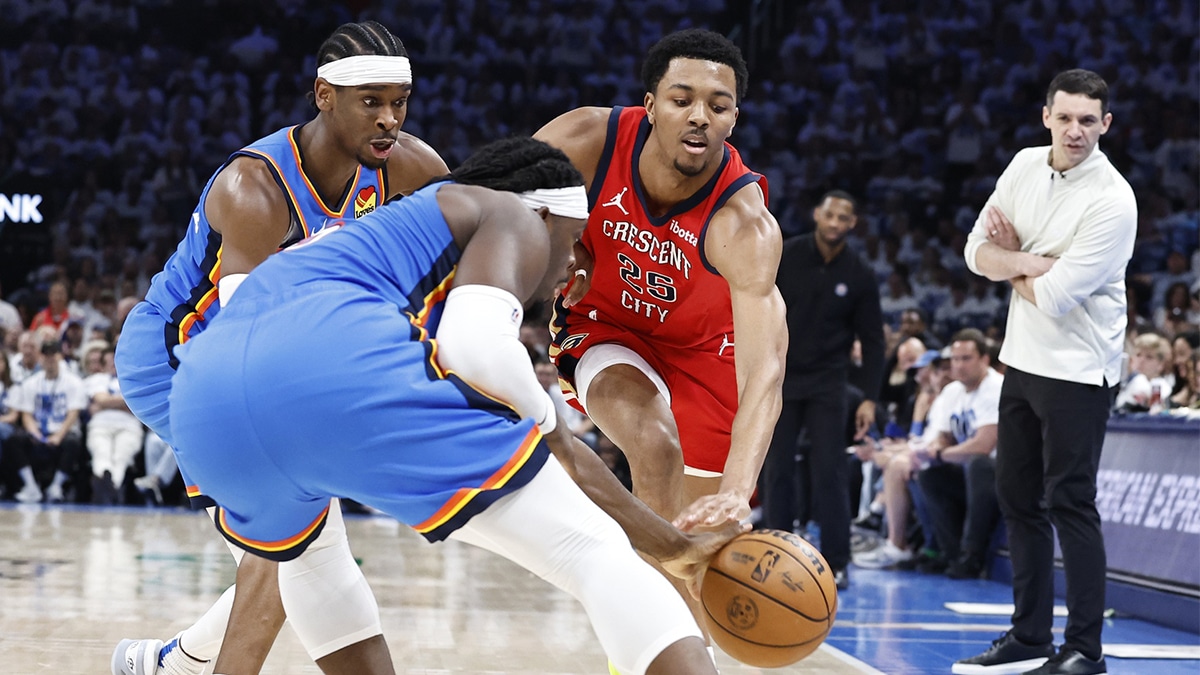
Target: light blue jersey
{"x": 323, "y": 372}
{"x": 182, "y": 299}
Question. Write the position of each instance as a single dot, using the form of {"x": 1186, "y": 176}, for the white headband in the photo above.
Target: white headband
{"x": 568, "y": 202}
{"x": 353, "y": 71}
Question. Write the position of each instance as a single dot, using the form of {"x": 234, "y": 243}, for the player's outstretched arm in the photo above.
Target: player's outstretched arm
{"x": 683, "y": 555}
{"x": 744, "y": 245}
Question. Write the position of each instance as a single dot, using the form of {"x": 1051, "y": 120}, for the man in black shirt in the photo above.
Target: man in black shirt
{"x": 832, "y": 298}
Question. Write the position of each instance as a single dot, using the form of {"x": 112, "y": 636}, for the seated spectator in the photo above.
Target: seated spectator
{"x": 55, "y": 314}
{"x": 1147, "y": 367}
{"x": 10, "y": 318}
{"x": 114, "y": 435}
{"x": 899, "y": 461}
{"x": 1177, "y": 315}
{"x": 9, "y": 418}
{"x": 161, "y": 469}
{"x": 1188, "y": 395}
{"x": 50, "y": 402}
{"x": 1183, "y": 365}
{"x": 899, "y": 385}
{"x": 27, "y": 360}
{"x": 959, "y": 483}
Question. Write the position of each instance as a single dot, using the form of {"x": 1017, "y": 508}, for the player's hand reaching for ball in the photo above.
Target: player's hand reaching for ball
{"x": 691, "y": 563}
{"x": 713, "y": 510}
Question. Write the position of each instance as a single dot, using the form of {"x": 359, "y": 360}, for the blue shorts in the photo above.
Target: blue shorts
{"x": 288, "y": 400}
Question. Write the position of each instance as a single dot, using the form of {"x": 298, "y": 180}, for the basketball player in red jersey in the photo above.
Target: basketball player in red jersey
{"x": 679, "y": 256}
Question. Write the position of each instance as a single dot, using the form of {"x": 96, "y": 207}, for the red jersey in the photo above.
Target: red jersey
{"x": 654, "y": 292}
{"x": 650, "y": 274}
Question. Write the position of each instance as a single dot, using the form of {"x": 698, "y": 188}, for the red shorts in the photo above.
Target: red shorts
{"x": 701, "y": 381}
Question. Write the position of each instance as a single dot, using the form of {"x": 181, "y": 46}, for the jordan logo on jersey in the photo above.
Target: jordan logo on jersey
{"x": 616, "y": 200}
{"x": 365, "y": 201}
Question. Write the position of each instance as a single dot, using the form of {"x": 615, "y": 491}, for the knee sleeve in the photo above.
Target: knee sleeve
{"x": 327, "y": 570}
{"x": 635, "y": 612}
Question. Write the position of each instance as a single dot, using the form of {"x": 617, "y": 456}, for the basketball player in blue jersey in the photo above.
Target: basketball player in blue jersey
{"x": 341, "y": 165}
{"x": 428, "y": 407}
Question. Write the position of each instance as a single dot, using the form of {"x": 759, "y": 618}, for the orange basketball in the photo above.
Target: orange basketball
{"x": 769, "y": 597}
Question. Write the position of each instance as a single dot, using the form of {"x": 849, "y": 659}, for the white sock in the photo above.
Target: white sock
{"x": 202, "y": 640}
{"x": 27, "y": 475}
{"x": 179, "y": 662}
{"x": 59, "y": 478}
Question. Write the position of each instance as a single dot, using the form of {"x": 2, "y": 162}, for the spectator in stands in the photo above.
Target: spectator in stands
{"x": 1176, "y": 314}
{"x": 959, "y": 485}
{"x": 1183, "y": 347}
{"x": 114, "y": 435}
{"x": 51, "y": 402}
{"x": 9, "y": 417}
{"x": 1148, "y": 366}
{"x": 10, "y": 318}
{"x": 55, "y": 314}
{"x": 899, "y": 462}
{"x": 28, "y": 359}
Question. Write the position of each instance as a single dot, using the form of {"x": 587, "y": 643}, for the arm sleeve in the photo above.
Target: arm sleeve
{"x": 1098, "y": 253}
{"x": 478, "y": 338}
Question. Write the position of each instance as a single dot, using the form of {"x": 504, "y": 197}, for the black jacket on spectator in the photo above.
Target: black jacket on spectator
{"x": 829, "y": 305}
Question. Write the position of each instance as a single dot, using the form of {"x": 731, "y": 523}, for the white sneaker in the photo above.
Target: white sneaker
{"x": 54, "y": 494}
{"x": 883, "y": 556}
{"x": 148, "y": 486}
{"x": 136, "y": 657}
{"x": 30, "y": 494}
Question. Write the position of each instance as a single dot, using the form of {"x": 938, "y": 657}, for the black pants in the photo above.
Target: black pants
{"x": 68, "y": 456}
{"x": 1050, "y": 436}
{"x": 822, "y": 491}
{"x": 961, "y": 500}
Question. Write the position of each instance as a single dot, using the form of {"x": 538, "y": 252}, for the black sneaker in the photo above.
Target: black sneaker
{"x": 1070, "y": 662}
{"x": 968, "y": 566}
{"x": 1006, "y": 655}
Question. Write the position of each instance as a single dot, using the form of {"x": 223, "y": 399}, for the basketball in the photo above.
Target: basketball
{"x": 769, "y": 598}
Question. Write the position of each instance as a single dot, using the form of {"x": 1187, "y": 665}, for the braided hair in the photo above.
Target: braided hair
{"x": 368, "y": 38}
{"x": 518, "y": 164}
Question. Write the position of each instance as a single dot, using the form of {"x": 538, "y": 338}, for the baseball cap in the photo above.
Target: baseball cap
{"x": 930, "y": 356}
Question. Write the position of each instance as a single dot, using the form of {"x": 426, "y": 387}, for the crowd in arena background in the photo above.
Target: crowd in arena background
{"x": 117, "y": 111}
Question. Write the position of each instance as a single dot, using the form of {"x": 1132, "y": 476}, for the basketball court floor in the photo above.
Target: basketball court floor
{"x": 75, "y": 580}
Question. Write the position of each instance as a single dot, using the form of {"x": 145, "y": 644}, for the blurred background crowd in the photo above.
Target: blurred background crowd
{"x": 115, "y": 112}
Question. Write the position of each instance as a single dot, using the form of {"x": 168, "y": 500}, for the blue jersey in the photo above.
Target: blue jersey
{"x": 185, "y": 292}
{"x": 323, "y": 372}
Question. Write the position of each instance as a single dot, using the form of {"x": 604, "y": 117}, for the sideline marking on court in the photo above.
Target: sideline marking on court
{"x": 992, "y": 608}
{"x": 859, "y": 665}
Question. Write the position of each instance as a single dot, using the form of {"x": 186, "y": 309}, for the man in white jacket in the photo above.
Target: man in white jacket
{"x": 1060, "y": 228}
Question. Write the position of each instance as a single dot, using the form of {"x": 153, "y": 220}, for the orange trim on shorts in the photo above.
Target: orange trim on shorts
{"x": 272, "y": 546}
{"x": 497, "y": 480}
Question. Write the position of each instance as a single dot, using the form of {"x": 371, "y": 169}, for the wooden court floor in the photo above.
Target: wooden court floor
{"x": 76, "y": 580}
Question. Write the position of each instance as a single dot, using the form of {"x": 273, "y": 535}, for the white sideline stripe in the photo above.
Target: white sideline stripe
{"x": 1131, "y": 651}
{"x": 860, "y": 666}
{"x": 992, "y": 608}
